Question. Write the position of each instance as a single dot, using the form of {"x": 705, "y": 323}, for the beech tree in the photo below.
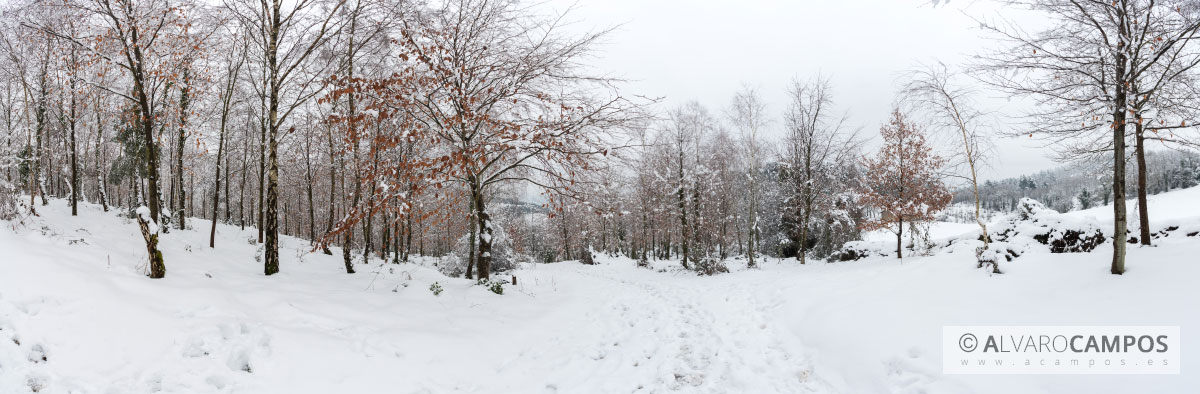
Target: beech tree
{"x": 146, "y": 40}
{"x": 902, "y": 181}
{"x": 499, "y": 92}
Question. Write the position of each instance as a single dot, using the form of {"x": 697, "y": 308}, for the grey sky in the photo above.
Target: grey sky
{"x": 704, "y": 50}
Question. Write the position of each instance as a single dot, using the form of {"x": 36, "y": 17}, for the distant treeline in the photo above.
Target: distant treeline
{"x": 1086, "y": 184}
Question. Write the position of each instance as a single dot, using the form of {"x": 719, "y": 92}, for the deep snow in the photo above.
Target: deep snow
{"x": 73, "y": 290}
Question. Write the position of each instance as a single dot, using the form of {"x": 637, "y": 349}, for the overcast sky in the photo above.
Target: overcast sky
{"x": 704, "y": 50}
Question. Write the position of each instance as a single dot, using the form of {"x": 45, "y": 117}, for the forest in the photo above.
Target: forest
{"x": 472, "y": 196}
{"x": 473, "y": 128}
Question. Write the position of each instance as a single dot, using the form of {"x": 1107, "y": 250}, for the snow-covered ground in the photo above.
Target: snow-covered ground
{"x": 937, "y": 230}
{"x": 77, "y": 315}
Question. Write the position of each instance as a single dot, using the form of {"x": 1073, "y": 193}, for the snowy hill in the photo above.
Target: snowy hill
{"x": 1174, "y": 206}
{"x": 77, "y": 315}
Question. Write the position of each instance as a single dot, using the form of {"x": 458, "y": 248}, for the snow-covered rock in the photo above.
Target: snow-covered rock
{"x": 1035, "y": 223}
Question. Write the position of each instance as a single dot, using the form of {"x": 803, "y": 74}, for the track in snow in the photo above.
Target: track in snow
{"x": 660, "y": 332}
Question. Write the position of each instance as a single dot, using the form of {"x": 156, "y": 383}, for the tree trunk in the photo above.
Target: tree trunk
{"x": 271, "y": 219}
{"x": 308, "y": 177}
{"x": 271, "y": 222}
{"x": 151, "y": 193}
{"x": 408, "y": 225}
{"x": 242, "y": 187}
{"x": 683, "y": 223}
{"x": 74, "y": 150}
{"x": 804, "y": 222}
{"x": 385, "y": 237}
{"x": 262, "y": 176}
{"x": 1119, "y": 221}
{"x": 184, "y": 101}
{"x": 212, "y": 234}
{"x": 332, "y": 190}
{"x": 485, "y": 233}
{"x": 228, "y": 219}
{"x": 474, "y": 229}
{"x": 158, "y": 270}
{"x": 102, "y": 175}
{"x": 1143, "y": 204}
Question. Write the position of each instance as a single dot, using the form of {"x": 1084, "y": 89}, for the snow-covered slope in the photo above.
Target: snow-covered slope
{"x": 78, "y": 316}
{"x": 1175, "y": 206}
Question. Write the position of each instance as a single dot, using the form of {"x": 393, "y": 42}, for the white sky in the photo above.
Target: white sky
{"x": 704, "y": 50}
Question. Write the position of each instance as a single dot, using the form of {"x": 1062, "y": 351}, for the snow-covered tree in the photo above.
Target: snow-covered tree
{"x": 817, "y": 148}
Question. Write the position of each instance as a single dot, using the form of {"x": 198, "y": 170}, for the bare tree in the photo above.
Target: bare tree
{"x": 748, "y": 114}
{"x": 234, "y": 60}
{"x": 285, "y": 36}
{"x": 145, "y": 39}
{"x": 950, "y": 107}
{"x": 816, "y": 143}
{"x": 1086, "y": 75}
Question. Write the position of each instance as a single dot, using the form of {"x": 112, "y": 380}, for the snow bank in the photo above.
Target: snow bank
{"x": 1034, "y": 223}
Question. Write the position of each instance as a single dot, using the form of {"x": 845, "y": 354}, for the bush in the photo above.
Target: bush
{"x": 711, "y": 265}
{"x": 493, "y": 285}
{"x": 503, "y": 258}
{"x": 436, "y": 288}
{"x": 587, "y": 257}
{"x": 856, "y": 250}
{"x": 994, "y": 253}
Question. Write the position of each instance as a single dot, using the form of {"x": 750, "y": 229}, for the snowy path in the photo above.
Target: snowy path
{"x": 681, "y": 334}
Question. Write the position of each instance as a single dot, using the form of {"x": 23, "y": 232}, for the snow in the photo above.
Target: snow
{"x": 1174, "y": 206}
{"x": 73, "y": 290}
{"x": 936, "y": 230}
{"x": 143, "y": 212}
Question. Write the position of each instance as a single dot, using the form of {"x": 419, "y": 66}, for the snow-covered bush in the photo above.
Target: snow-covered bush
{"x": 995, "y": 253}
{"x": 503, "y": 258}
{"x": 436, "y": 288}
{"x": 711, "y": 265}
{"x": 587, "y": 257}
{"x": 855, "y": 250}
{"x": 1063, "y": 234}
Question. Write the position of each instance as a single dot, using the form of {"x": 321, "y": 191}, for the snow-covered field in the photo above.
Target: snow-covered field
{"x": 77, "y": 315}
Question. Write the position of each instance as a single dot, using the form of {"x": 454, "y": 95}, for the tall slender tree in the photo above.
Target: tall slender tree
{"x": 285, "y": 37}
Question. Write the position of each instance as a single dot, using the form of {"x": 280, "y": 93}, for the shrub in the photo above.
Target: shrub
{"x": 856, "y": 250}
{"x": 711, "y": 265}
{"x": 493, "y": 285}
{"x": 503, "y": 258}
{"x": 436, "y": 288}
{"x": 587, "y": 257}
